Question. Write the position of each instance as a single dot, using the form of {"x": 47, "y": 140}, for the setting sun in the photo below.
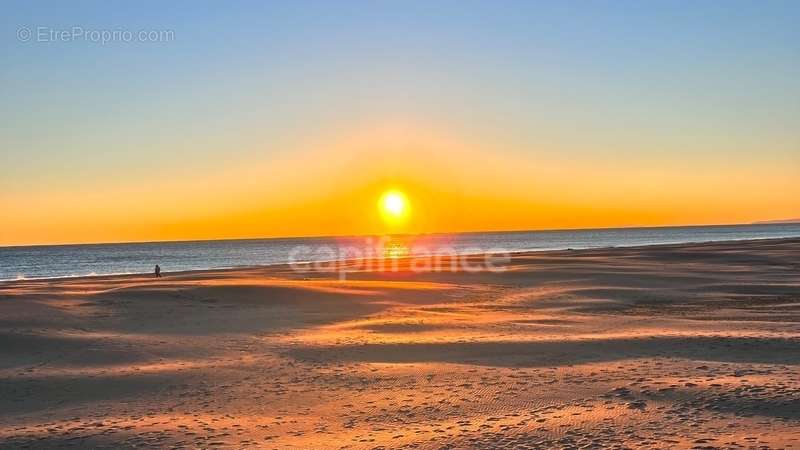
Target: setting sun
{"x": 393, "y": 206}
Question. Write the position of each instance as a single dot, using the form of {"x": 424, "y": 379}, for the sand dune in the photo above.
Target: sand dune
{"x": 675, "y": 346}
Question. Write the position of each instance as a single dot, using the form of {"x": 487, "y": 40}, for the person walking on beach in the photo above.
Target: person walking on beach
{"x": 158, "y": 271}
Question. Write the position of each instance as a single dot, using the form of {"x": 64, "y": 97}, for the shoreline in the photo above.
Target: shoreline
{"x": 113, "y": 276}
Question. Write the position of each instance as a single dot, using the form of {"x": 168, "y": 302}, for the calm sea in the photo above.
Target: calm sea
{"x": 52, "y": 261}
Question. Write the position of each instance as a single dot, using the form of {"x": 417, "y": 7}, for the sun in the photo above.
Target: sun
{"x": 394, "y": 203}
{"x": 393, "y": 206}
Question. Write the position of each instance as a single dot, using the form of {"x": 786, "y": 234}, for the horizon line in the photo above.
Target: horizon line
{"x": 763, "y": 222}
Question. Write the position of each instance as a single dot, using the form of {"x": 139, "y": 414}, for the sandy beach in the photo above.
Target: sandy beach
{"x": 692, "y": 346}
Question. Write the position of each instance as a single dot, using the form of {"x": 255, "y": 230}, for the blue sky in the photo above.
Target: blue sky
{"x": 673, "y": 83}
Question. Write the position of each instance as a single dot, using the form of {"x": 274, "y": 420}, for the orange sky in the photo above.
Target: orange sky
{"x": 330, "y": 186}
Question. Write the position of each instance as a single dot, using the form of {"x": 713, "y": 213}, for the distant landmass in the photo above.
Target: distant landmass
{"x": 779, "y": 221}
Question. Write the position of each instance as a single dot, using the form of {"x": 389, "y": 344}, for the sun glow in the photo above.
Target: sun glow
{"x": 393, "y": 207}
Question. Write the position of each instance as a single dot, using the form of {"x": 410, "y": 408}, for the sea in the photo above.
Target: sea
{"x": 60, "y": 261}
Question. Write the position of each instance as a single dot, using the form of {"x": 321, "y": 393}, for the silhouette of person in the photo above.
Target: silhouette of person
{"x": 158, "y": 271}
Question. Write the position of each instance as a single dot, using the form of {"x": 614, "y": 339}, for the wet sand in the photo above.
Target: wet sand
{"x": 675, "y": 346}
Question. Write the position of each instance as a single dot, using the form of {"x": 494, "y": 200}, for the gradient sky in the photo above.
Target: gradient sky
{"x": 291, "y": 118}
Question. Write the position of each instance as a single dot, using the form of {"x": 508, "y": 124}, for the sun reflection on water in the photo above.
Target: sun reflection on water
{"x": 396, "y": 249}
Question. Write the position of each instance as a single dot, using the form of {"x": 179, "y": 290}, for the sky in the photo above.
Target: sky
{"x": 262, "y": 119}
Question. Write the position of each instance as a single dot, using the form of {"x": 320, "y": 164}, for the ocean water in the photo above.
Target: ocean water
{"x": 54, "y": 261}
